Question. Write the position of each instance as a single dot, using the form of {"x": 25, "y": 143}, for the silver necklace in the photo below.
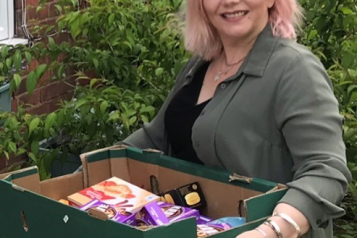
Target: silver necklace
{"x": 219, "y": 74}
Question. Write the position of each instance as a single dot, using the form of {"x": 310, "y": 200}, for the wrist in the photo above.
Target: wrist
{"x": 286, "y": 229}
{"x": 270, "y": 233}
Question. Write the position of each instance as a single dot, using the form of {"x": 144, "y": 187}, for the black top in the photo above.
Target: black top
{"x": 180, "y": 116}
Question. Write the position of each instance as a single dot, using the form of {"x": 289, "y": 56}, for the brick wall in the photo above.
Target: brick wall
{"x": 47, "y": 95}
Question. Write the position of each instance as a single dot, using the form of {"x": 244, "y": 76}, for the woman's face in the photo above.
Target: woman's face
{"x": 237, "y": 19}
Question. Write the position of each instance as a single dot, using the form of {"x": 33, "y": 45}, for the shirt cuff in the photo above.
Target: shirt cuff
{"x": 315, "y": 212}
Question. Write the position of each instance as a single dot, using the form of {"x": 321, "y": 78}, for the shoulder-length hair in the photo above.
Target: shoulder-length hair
{"x": 202, "y": 39}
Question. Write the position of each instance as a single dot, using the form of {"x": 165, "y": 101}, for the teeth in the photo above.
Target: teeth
{"x": 237, "y": 14}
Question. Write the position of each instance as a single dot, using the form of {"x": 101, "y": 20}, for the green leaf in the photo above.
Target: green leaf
{"x": 350, "y": 133}
{"x": 132, "y": 120}
{"x": 103, "y": 106}
{"x": 35, "y": 147}
{"x": 93, "y": 82}
{"x": 49, "y": 122}
{"x": 17, "y": 60}
{"x": 17, "y": 80}
{"x": 114, "y": 116}
{"x": 4, "y": 51}
{"x": 111, "y": 18}
{"x": 6, "y": 154}
{"x": 33, "y": 157}
{"x": 20, "y": 151}
{"x": 79, "y": 103}
{"x": 347, "y": 60}
{"x": 28, "y": 57}
{"x": 33, "y": 125}
{"x": 346, "y": 10}
{"x": 159, "y": 71}
{"x": 96, "y": 63}
{"x": 59, "y": 8}
{"x": 144, "y": 118}
{"x": 51, "y": 42}
{"x": 31, "y": 82}
{"x": 40, "y": 70}
{"x": 147, "y": 109}
{"x": 12, "y": 146}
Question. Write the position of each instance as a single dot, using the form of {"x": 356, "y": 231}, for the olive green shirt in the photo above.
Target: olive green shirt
{"x": 277, "y": 119}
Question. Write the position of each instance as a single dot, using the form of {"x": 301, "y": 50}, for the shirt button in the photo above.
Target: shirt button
{"x": 202, "y": 113}
{"x": 223, "y": 86}
{"x": 197, "y": 144}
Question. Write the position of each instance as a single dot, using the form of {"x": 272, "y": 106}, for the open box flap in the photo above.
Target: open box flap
{"x": 24, "y": 179}
{"x": 97, "y": 155}
{"x": 261, "y": 205}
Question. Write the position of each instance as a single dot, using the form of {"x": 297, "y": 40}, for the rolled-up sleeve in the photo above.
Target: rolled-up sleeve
{"x": 307, "y": 113}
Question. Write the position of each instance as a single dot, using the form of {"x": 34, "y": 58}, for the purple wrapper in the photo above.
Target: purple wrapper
{"x": 203, "y": 220}
{"x": 118, "y": 215}
{"x": 151, "y": 215}
{"x": 176, "y": 213}
{"x": 208, "y": 229}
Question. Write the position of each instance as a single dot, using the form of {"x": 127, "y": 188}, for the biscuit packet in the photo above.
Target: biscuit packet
{"x": 115, "y": 192}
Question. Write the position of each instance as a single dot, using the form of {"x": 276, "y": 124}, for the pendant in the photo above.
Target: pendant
{"x": 216, "y": 78}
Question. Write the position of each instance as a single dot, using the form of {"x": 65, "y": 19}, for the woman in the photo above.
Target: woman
{"x": 255, "y": 102}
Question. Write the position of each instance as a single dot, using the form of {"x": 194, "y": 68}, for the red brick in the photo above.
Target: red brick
{"x": 48, "y": 107}
{"x": 33, "y": 99}
{"x": 54, "y": 90}
{"x": 33, "y": 65}
{"x": 6, "y": 163}
{"x": 14, "y": 104}
{"x": 22, "y": 88}
{"x": 33, "y": 2}
{"x": 52, "y": 10}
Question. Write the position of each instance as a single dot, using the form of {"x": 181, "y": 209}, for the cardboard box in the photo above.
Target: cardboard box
{"x": 29, "y": 208}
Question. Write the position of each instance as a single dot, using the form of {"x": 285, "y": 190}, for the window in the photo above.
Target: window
{"x": 7, "y": 21}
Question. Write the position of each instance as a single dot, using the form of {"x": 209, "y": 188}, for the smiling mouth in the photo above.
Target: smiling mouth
{"x": 234, "y": 14}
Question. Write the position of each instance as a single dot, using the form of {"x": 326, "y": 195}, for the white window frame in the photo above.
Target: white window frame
{"x": 7, "y": 19}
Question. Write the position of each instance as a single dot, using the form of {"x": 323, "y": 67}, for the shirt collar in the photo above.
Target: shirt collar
{"x": 260, "y": 54}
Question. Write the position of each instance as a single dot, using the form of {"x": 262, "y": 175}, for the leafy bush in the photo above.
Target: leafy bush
{"x": 134, "y": 53}
{"x": 331, "y": 33}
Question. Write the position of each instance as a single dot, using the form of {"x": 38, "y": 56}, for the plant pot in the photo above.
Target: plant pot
{"x": 60, "y": 166}
{"x": 5, "y": 98}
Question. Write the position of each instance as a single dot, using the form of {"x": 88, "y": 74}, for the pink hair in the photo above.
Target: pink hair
{"x": 202, "y": 39}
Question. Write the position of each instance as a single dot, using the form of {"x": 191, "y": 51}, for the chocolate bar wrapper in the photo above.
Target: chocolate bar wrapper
{"x": 204, "y": 230}
{"x": 151, "y": 215}
{"x": 203, "y": 220}
{"x": 99, "y": 208}
{"x": 176, "y": 213}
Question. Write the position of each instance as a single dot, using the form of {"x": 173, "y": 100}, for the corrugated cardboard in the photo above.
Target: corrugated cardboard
{"x": 30, "y": 208}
